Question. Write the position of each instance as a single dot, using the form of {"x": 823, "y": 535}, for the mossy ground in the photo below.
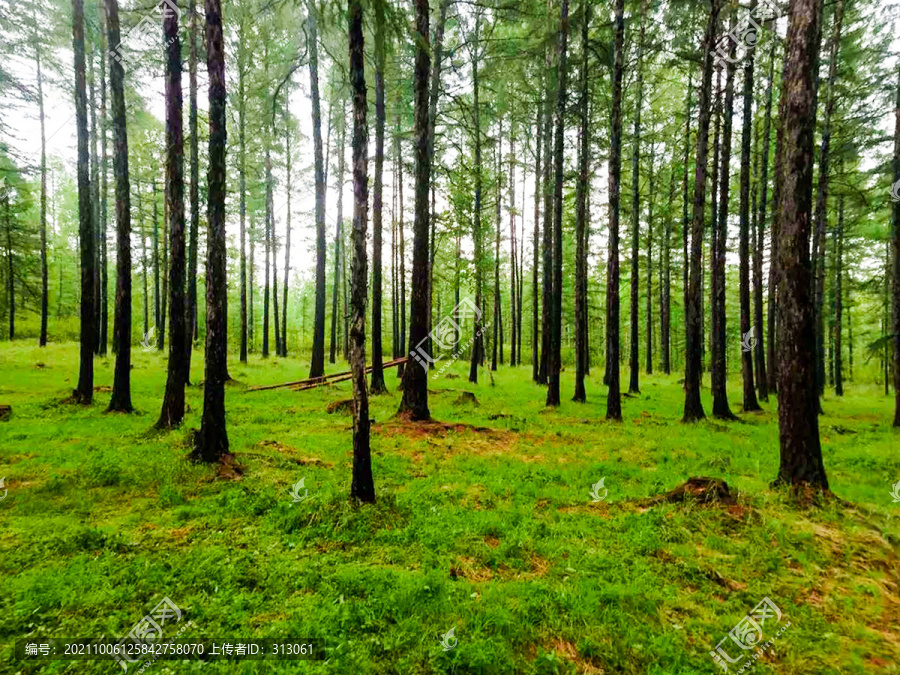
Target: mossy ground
{"x": 485, "y": 524}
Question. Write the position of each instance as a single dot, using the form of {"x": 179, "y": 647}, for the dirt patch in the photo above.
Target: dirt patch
{"x": 401, "y": 425}
{"x": 103, "y": 389}
{"x": 343, "y": 407}
{"x": 466, "y": 398}
{"x": 708, "y": 491}
{"x": 293, "y": 452}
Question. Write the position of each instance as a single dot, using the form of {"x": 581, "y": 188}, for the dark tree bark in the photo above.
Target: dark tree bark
{"x": 415, "y": 378}
{"x": 317, "y": 363}
{"x": 614, "y": 399}
{"x": 44, "y": 281}
{"x": 634, "y": 359}
{"x": 377, "y": 381}
{"x": 338, "y": 240}
{"x": 267, "y": 246}
{"x": 121, "y": 393}
{"x": 211, "y": 442}
{"x": 498, "y": 311}
{"x": 895, "y": 277}
{"x": 762, "y": 378}
{"x": 839, "y": 300}
{"x": 801, "y": 452}
{"x": 581, "y": 195}
{"x": 821, "y": 213}
{"x": 242, "y": 181}
{"x": 270, "y": 182}
{"x": 665, "y": 281}
{"x": 693, "y": 407}
{"x": 478, "y": 338}
{"x": 84, "y": 393}
{"x": 95, "y": 188}
{"x": 749, "y": 400}
{"x": 104, "y": 192}
{"x": 287, "y": 232}
{"x": 157, "y": 319}
{"x": 555, "y": 363}
{"x": 191, "y": 329}
{"x": 718, "y": 372}
{"x": 362, "y": 487}
{"x": 161, "y": 327}
{"x": 650, "y": 179}
{"x": 172, "y": 412}
{"x": 547, "y": 291}
{"x": 685, "y": 194}
{"x": 513, "y": 256}
{"x": 535, "y": 263}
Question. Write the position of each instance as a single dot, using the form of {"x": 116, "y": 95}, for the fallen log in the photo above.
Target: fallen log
{"x": 313, "y": 382}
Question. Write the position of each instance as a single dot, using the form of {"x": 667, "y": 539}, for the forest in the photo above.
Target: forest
{"x": 462, "y": 336}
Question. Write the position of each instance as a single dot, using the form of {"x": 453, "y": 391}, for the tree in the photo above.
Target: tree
{"x": 42, "y": 341}
{"x": 191, "y": 305}
{"x": 211, "y": 442}
{"x": 362, "y": 487}
{"x": 801, "y": 451}
{"x": 242, "y": 178}
{"x": 895, "y": 248}
{"x": 555, "y": 363}
{"x": 581, "y": 218}
{"x": 121, "y": 393}
{"x": 172, "y": 412}
{"x": 338, "y": 237}
{"x": 84, "y": 392}
{"x": 478, "y": 338}
{"x": 693, "y": 407}
{"x": 535, "y": 264}
{"x": 614, "y": 398}
{"x": 415, "y": 378}
{"x": 317, "y": 362}
{"x": 377, "y": 381}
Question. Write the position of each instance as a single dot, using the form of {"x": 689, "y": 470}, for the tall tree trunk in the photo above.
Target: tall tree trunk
{"x": 267, "y": 246}
{"x": 839, "y": 300}
{"x": 121, "y": 391}
{"x": 614, "y": 399}
{"x": 287, "y": 233}
{"x": 650, "y": 263}
{"x": 498, "y": 311}
{"x": 693, "y": 407}
{"x": 685, "y": 218}
{"x": 44, "y": 282}
{"x": 104, "y": 266}
{"x": 377, "y": 380}
{"x": 547, "y": 291}
{"x": 762, "y": 378}
{"x": 362, "y": 487}
{"x": 211, "y": 443}
{"x": 161, "y": 328}
{"x": 634, "y": 358}
{"x": 535, "y": 262}
{"x": 895, "y": 247}
{"x": 749, "y": 400}
{"x": 801, "y": 452}
{"x": 401, "y": 249}
{"x": 338, "y": 239}
{"x": 270, "y": 183}
{"x": 478, "y": 338}
{"x": 317, "y": 362}
{"x": 821, "y": 214}
{"x": 157, "y": 317}
{"x": 242, "y": 181}
{"x": 415, "y": 378}
{"x": 513, "y": 256}
{"x": 555, "y": 363}
{"x": 10, "y": 267}
{"x": 84, "y": 393}
{"x": 191, "y": 329}
{"x": 665, "y": 280}
{"x": 581, "y": 196}
{"x": 95, "y": 190}
{"x": 172, "y": 412}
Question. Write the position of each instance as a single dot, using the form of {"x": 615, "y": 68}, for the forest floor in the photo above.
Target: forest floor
{"x": 485, "y": 524}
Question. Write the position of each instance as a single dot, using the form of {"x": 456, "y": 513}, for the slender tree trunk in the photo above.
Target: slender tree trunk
{"x": 895, "y": 247}
{"x": 192, "y": 328}
{"x": 749, "y": 399}
{"x": 498, "y": 311}
{"x": 821, "y": 213}
{"x": 535, "y": 263}
{"x": 547, "y": 294}
{"x": 377, "y": 380}
{"x": 252, "y": 236}
{"x": 478, "y": 338}
{"x": 44, "y": 280}
{"x": 634, "y": 358}
{"x": 104, "y": 192}
{"x": 401, "y": 250}
{"x": 650, "y": 263}
{"x": 161, "y": 327}
{"x": 287, "y": 233}
{"x": 693, "y": 407}
{"x": 362, "y": 487}
{"x": 242, "y": 182}
{"x": 211, "y": 442}
{"x": 839, "y": 300}
{"x": 685, "y": 218}
{"x": 338, "y": 239}
{"x": 84, "y": 393}
{"x": 267, "y": 245}
{"x": 801, "y": 453}
{"x": 10, "y": 268}
{"x": 555, "y": 363}
{"x": 121, "y": 393}
{"x": 614, "y": 400}
{"x": 415, "y": 378}
{"x": 157, "y": 317}
{"x": 317, "y": 362}
{"x": 172, "y": 412}
{"x": 514, "y": 273}
{"x": 665, "y": 283}
{"x": 581, "y": 196}
{"x": 762, "y": 378}
{"x": 95, "y": 190}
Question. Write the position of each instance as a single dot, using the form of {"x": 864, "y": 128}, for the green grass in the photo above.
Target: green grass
{"x": 490, "y": 530}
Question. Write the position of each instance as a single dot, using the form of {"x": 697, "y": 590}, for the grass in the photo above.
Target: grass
{"x": 485, "y": 525}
